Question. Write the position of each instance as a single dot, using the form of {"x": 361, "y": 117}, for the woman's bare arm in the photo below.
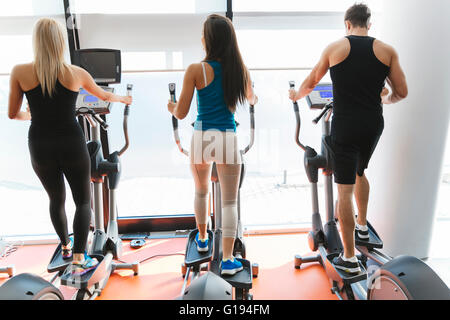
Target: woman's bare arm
{"x": 251, "y": 96}
{"x": 181, "y": 109}
{"x": 16, "y": 97}
{"x": 88, "y": 83}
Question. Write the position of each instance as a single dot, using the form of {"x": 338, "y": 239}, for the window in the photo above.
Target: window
{"x": 146, "y": 7}
{"x": 27, "y": 8}
{"x": 298, "y": 5}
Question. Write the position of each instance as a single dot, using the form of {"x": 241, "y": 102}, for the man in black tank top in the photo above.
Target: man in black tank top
{"x": 359, "y": 67}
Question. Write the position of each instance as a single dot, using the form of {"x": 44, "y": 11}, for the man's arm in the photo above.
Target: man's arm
{"x": 397, "y": 81}
{"x": 317, "y": 73}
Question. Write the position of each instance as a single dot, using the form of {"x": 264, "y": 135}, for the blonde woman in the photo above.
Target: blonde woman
{"x": 55, "y": 139}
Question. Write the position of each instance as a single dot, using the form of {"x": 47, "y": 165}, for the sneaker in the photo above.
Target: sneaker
{"x": 349, "y": 267}
{"x": 202, "y": 245}
{"x": 67, "y": 250}
{"x": 89, "y": 264}
{"x": 230, "y": 267}
{"x": 362, "y": 233}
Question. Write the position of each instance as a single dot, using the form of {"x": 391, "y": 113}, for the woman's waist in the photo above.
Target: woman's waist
{"x": 215, "y": 124}
{"x": 70, "y": 127}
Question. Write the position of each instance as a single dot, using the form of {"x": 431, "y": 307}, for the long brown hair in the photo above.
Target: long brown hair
{"x": 221, "y": 45}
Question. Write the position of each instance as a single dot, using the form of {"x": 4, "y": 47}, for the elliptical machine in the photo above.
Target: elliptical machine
{"x": 106, "y": 244}
{"x": 399, "y": 278}
{"x": 212, "y": 285}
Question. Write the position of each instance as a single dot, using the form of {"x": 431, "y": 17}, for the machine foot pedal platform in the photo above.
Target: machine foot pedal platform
{"x": 57, "y": 263}
{"x": 193, "y": 257}
{"x": 346, "y": 277}
{"x": 88, "y": 279}
{"x": 243, "y": 278}
{"x": 374, "y": 241}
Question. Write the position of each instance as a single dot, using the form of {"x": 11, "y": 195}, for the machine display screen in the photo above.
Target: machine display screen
{"x": 324, "y": 88}
{"x": 90, "y": 99}
{"x": 104, "y": 65}
{"x": 326, "y": 94}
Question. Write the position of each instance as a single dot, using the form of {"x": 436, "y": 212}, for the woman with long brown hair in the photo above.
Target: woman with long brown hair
{"x": 55, "y": 139}
{"x": 222, "y": 81}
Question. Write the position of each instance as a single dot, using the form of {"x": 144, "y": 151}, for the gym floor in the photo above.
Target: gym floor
{"x": 160, "y": 277}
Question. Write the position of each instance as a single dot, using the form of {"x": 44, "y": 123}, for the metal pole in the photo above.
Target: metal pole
{"x": 229, "y": 13}
{"x": 72, "y": 30}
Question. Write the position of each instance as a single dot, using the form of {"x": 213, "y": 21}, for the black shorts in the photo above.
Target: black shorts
{"x": 353, "y": 141}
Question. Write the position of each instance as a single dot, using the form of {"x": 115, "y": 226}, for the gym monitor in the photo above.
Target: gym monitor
{"x": 104, "y": 65}
{"x": 320, "y": 96}
{"x": 85, "y": 99}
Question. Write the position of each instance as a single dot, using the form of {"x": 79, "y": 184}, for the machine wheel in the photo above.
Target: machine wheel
{"x": 406, "y": 278}
{"x": 389, "y": 289}
{"x": 312, "y": 241}
{"x": 28, "y": 286}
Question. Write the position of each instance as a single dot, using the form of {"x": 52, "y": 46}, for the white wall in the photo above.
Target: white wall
{"x": 145, "y": 33}
{"x": 406, "y": 169}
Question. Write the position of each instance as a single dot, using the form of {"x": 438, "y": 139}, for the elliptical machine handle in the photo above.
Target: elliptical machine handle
{"x": 127, "y": 107}
{"x": 90, "y": 115}
{"x": 325, "y": 110}
{"x": 297, "y": 118}
{"x": 126, "y": 113}
{"x": 102, "y": 123}
{"x": 176, "y": 135}
{"x": 252, "y": 127}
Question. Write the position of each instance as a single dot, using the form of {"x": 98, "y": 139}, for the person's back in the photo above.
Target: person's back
{"x": 53, "y": 115}
{"x": 364, "y": 73}
{"x": 213, "y": 112}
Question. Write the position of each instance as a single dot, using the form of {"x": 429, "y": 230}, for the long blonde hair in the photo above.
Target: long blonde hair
{"x": 49, "y": 47}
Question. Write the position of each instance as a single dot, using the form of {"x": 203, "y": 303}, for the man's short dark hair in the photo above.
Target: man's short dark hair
{"x": 358, "y": 15}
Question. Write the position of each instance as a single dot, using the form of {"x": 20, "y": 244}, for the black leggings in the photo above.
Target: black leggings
{"x": 54, "y": 157}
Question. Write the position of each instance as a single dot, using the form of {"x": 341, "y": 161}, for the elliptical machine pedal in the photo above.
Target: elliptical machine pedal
{"x": 194, "y": 258}
{"x": 373, "y": 242}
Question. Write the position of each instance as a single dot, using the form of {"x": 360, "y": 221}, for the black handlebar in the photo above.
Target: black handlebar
{"x": 176, "y": 135}
{"x": 85, "y": 111}
{"x": 297, "y": 118}
{"x": 324, "y": 112}
{"x": 126, "y": 113}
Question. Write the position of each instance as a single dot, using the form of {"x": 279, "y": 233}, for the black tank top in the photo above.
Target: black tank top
{"x": 52, "y": 115}
{"x": 358, "y": 80}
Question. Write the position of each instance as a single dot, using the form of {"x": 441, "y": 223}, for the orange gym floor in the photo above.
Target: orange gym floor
{"x": 160, "y": 277}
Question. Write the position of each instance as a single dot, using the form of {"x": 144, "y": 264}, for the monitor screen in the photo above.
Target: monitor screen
{"x": 103, "y": 65}
{"x": 90, "y": 98}
{"x": 324, "y": 88}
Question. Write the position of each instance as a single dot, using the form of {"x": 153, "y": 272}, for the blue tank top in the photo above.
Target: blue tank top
{"x": 213, "y": 112}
